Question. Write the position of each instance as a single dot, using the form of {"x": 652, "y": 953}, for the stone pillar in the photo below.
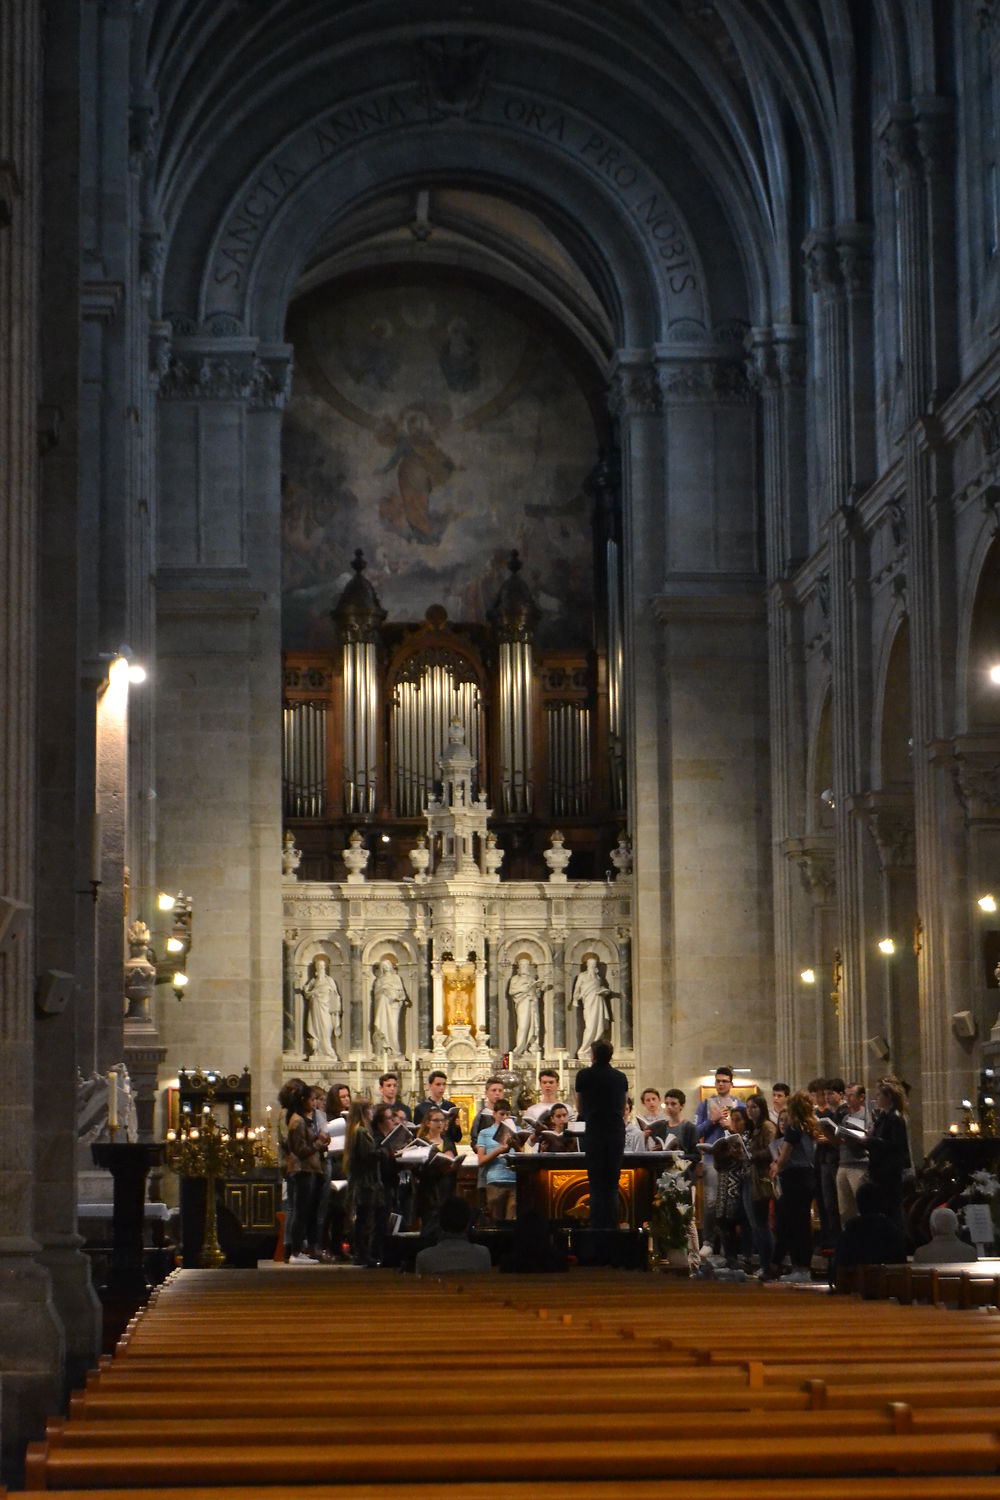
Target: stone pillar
{"x": 218, "y": 668}
{"x": 425, "y": 1008}
{"x": 625, "y": 980}
{"x": 914, "y": 142}
{"x": 31, "y": 1338}
{"x": 816, "y": 1019}
{"x": 358, "y": 1041}
{"x": 492, "y": 991}
{"x": 288, "y": 1028}
{"x": 635, "y": 402}
{"x": 890, "y": 821}
{"x": 65, "y": 918}
{"x": 778, "y": 372}
{"x": 712, "y": 721}
{"x": 558, "y": 941}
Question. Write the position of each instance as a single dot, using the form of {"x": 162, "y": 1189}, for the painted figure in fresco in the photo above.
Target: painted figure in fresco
{"x": 389, "y": 998}
{"x": 324, "y": 1012}
{"x": 421, "y": 466}
{"x": 525, "y": 992}
{"x": 592, "y": 996}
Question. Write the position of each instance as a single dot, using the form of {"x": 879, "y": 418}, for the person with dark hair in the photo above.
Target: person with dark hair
{"x": 758, "y": 1189}
{"x": 683, "y": 1131}
{"x": 365, "y": 1183}
{"x": 828, "y": 1160}
{"x": 453, "y": 1252}
{"x": 548, "y": 1094}
{"x": 795, "y": 1169}
{"x": 888, "y": 1144}
{"x": 601, "y": 1092}
{"x": 853, "y": 1160}
{"x": 435, "y": 1184}
{"x": 436, "y": 1085}
{"x": 501, "y": 1181}
{"x": 304, "y": 1165}
{"x": 388, "y": 1093}
{"x": 780, "y": 1093}
{"x": 870, "y": 1238}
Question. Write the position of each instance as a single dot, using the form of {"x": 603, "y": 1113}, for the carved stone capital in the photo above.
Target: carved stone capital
{"x": 819, "y": 252}
{"x": 777, "y": 359}
{"x": 854, "y": 257}
{"x": 704, "y": 380}
{"x": 634, "y": 391}
{"x": 890, "y": 820}
{"x": 976, "y": 769}
{"x": 262, "y": 383}
{"x": 901, "y": 156}
{"x": 814, "y": 855}
{"x": 935, "y": 136}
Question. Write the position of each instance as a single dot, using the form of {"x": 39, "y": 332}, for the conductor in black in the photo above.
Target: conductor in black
{"x": 601, "y": 1091}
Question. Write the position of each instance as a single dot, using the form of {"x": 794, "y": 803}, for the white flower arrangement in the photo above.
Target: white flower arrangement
{"x": 673, "y": 1206}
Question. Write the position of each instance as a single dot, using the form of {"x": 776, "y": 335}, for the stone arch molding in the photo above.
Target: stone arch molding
{"x": 630, "y": 232}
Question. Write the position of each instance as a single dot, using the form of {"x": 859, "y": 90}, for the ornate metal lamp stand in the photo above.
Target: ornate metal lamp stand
{"x": 205, "y": 1149}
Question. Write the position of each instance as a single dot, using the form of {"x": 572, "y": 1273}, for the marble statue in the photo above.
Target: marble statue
{"x": 389, "y": 998}
{"x": 592, "y": 995}
{"x": 524, "y": 991}
{"x": 324, "y": 1012}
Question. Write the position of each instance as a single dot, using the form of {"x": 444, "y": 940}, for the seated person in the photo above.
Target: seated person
{"x": 944, "y": 1244}
{"x": 453, "y": 1252}
{"x": 870, "y": 1239}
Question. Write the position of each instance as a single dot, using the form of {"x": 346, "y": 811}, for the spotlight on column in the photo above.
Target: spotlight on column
{"x": 179, "y": 983}
{"x": 987, "y": 903}
{"x": 886, "y": 946}
{"x": 165, "y": 902}
{"x": 808, "y": 976}
{"x": 995, "y": 673}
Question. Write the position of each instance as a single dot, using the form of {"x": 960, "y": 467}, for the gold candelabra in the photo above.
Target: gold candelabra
{"x": 204, "y": 1148}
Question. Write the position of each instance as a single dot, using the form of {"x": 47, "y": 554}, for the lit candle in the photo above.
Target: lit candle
{"x": 171, "y": 1135}
{"x": 112, "y": 1101}
{"x": 538, "y": 1067}
{"x": 562, "y": 1072}
{"x": 413, "y": 1075}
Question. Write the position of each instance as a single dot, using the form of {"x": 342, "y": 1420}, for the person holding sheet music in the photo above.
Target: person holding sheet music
{"x": 731, "y": 1158}
{"x": 484, "y": 1118}
{"x": 551, "y": 1134}
{"x": 683, "y": 1131}
{"x": 494, "y": 1142}
{"x": 758, "y": 1189}
{"x": 548, "y": 1095}
{"x": 365, "y": 1182}
{"x": 388, "y": 1093}
{"x": 436, "y": 1085}
{"x": 794, "y": 1167}
{"x": 635, "y": 1139}
{"x": 435, "y": 1179}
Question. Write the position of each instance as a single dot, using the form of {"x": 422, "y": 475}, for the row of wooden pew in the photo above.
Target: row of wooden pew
{"x": 319, "y": 1384}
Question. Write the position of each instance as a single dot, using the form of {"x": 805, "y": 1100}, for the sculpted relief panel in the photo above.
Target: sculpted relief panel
{"x": 435, "y": 429}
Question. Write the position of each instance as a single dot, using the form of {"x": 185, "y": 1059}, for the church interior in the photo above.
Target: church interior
{"x": 501, "y": 550}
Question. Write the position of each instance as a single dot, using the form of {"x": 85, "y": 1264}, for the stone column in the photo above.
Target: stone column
{"x": 635, "y": 402}
{"x": 358, "y": 1041}
{"x": 219, "y": 695}
{"x": 816, "y": 1019}
{"x": 492, "y": 991}
{"x": 890, "y": 821}
{"x": 625, "y": 980}
{"x": 288, "y": 1027}
{"x": 558, "y": 941}
{"x": 31, "y": 1338}
{"x": 712, "y": 720}
{"x": 425, "y": 1008}
{"x": 778, "y": 372}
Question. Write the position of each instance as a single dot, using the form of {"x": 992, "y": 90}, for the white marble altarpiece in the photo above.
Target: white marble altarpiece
{"x": 454, "y": 967}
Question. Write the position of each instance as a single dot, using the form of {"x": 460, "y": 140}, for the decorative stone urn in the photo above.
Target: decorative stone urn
{"x": 621, "y": 856}
{"x": 355, "y": 857}
{"x": 291, "y": 857}
{"x": 492, "y": 857}
{"x": 420, "y": 858}
{"x": 140, "y": 973}
{"x": 557, "y": 858}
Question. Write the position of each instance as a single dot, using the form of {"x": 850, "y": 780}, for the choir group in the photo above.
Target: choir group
{"x": 355, "y": 1168}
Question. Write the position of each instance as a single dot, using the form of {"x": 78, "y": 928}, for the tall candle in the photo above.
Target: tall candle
{"x": 413, "y": 1076}
{"x": 562, "y": 1072}
{"x": 112, "y": 1101}
{"x": 538, "y": 1067}
{"x": 358, "y": 1084}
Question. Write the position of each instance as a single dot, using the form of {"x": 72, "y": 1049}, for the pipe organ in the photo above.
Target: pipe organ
{"x": 364, "y": 728}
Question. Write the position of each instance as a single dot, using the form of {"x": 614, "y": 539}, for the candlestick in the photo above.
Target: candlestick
{"x": 112, "y": 1101}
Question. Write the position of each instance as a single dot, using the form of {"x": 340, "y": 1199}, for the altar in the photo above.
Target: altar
{"x": 455, "y": 968}
{"x": 555, "y": 1185}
